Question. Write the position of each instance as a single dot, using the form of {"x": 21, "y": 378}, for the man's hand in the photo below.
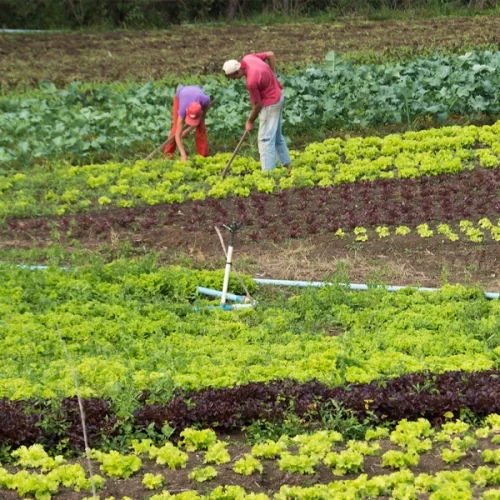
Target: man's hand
{"x": 256, "y": 107}
{"x": 186, "y": 133}
{"x": 184, "y": 157}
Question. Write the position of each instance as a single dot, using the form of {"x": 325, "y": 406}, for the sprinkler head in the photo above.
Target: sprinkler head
{"x": 232, "y": 228}
{"x": 235, "y": 226}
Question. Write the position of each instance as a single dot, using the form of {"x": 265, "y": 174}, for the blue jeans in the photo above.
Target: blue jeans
{"x": 271, "y": 140}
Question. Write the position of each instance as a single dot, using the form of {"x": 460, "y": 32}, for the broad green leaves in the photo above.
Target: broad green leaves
{"x": 131, "y": 326}
{"x": 79, "y": 123}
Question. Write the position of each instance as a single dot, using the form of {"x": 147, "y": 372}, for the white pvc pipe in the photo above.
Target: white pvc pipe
{"x": 38, "y": 268}
{"x": 317, "y": 284}
{"x": 235, "y": 307}
{"x": 226, "y": 274}
{"x": 225, "y": 307}
{"x": 217, "y": 293}
{"x": 354, "y": 286}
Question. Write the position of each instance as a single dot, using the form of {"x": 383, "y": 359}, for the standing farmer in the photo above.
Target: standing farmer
{"x": 267, "y": 98}
{"x": 190, "y": 105}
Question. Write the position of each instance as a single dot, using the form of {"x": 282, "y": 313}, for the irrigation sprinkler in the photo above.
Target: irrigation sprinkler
{"x": 232, "y": 228}
{"x": 242, "y": 301}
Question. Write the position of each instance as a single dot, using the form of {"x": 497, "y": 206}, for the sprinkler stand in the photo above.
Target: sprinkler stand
{"x": 232, "y": 228}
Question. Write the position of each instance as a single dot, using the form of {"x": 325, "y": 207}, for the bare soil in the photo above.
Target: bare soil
{"x": 177, "y": 481}
{"x": 281, "y": 240}
{"x": 144, "y": 55}
{"x": 397, "y": 260}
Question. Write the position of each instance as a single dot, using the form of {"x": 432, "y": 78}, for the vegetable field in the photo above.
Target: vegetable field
{"x": 79, "y": 123}
{"x": 120, "y": 380}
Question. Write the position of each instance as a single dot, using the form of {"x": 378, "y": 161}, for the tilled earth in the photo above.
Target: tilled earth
{"x": 291, "y": 235}
{"x": 177, "y": 481}
{"x": 397, "y": 260}
{"x": 144, "y": 55}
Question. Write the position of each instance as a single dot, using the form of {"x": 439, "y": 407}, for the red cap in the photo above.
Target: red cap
{"x": 193, "y": 114}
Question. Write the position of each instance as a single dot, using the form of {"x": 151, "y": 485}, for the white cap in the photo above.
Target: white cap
{"x": 231, "y": 66}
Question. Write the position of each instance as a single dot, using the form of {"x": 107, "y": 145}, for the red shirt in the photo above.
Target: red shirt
{"x": 261, "y": 82}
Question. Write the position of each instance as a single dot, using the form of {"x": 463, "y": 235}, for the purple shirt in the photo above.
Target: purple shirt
{"x": 189, "y": 94}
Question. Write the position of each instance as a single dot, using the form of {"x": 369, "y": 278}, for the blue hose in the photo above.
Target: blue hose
{"x": 225, "y": 307}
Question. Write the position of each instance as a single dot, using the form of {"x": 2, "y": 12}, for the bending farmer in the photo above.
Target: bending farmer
{"x": 267, "y": 98}
{"x": 190, "y": 106}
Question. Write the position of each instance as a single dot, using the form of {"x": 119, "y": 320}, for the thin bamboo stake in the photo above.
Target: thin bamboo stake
{"x": 82, "y": 415}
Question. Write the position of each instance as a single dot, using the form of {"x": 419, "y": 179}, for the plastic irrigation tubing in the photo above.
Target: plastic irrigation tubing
{"x": 38, "y": 268}
{"x": 33, "y": 268}
{"x": 354, "y": 286}
{"x": 225, "y": 307}
{"x": 28, "y": 31}
{"x": 216, "y": 293}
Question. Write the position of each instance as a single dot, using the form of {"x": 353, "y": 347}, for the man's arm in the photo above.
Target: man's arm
{"x": 253, "y": 116}
{"x": 205, "y": 109}
{"x": 271, "y": 60}
{"x": 178, "y": 138}
{"x": 269, "y": 57}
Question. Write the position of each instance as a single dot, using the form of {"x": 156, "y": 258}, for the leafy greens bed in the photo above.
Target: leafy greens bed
{"x": 130, "y": 326}
{"x": 78, "y": 123}
{"x": 439, "y": 206}
{"x": 61, "y": 188}
{"x": 317, "y": 458}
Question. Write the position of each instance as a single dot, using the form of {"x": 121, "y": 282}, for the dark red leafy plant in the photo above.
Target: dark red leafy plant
{"x": 471, "y": 194}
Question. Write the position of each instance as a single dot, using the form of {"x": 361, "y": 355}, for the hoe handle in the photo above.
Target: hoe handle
{"x": 226, "y": 168}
